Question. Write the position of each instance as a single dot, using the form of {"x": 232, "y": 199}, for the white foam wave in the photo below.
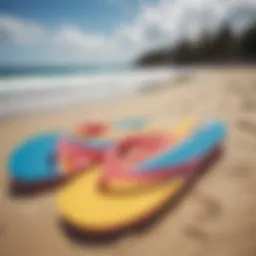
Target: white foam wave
{"x": 18, "y": 95}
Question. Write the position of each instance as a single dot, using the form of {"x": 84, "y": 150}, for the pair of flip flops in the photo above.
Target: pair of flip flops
{"x": 51, "y": 157}
{"x": 160, "y": 167}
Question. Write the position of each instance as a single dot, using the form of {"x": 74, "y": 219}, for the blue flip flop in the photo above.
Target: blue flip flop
{"x": 208, "y": 136}
{"x": 34, "y": 159}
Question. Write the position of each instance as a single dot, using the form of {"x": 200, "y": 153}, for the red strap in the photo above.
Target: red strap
{"x": 78, "y": 157}
{"x": 134, "y": 149}
{"x": 92, "y": 129}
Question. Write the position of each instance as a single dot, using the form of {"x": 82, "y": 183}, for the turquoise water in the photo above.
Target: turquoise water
{"x": 60, "y": 70}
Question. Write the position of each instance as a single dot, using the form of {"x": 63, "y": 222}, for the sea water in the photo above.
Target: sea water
{"x": 30, "y": 89}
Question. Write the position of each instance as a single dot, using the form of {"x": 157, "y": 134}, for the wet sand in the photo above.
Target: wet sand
{"x": 216, "y": 217}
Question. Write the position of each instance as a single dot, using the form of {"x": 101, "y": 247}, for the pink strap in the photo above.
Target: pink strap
{"x": 150, "y": 144}
{"x": 92, "y": 129}
{"x": 78, "y": 157}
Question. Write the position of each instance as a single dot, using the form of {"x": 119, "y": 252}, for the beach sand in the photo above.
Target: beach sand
{"x": 216, "y": 217}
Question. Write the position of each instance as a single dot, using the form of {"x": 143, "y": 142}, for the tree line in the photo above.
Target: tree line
{"x": 224, "y": 46}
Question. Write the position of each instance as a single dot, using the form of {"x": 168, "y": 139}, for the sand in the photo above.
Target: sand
{"x": 217, "y": 216}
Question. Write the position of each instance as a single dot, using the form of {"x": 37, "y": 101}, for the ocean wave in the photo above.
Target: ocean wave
{"x": 29, "y": 94}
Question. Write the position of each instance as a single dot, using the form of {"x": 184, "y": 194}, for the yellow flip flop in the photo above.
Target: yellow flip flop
{"x": 85, "y": 207}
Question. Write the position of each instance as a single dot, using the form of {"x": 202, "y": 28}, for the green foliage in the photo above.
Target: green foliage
{"x": 248, "y": 43}
{"x": 222, "y": 47}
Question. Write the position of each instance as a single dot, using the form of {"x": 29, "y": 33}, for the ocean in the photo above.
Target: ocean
{"x": 40, "y": 88}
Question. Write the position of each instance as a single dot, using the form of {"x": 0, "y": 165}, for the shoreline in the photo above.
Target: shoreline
{"x": 21, "y": 95}
{"x": 52, "y": 104}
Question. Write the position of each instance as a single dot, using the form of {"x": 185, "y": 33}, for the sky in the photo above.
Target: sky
{"x": 106, "y": 31}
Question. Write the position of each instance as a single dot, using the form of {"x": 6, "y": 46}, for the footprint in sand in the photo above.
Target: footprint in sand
{"x": 246, "y": 126}
{"x": 195, "y": 233}
{"x": 248, "y": 104}
{"x": 208, "y": 209}
{"x": 211, "y": 208}
{"x": 237, "y": 88}
{"x": 241, "y": 171}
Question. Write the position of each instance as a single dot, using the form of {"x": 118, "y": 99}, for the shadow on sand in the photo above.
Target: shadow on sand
{"x": 26, "y": 189}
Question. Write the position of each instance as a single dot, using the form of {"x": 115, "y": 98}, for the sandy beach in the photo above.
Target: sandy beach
{"x": 217, "y": 216}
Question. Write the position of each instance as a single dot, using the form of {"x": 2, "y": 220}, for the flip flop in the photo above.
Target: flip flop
{"x": 84, "y": 207}
{"x": 38, "y": 162}
{"x": 167, "y": 160}
{"x": 76, "y": 154}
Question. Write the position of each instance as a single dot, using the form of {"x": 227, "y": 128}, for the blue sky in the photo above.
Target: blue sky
{"x": 95, "y": 15}
{"x": 62, "y": 31}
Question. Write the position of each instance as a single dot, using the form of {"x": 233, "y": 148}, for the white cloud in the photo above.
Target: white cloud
{"x": 155, "y": 24}
{"x": 19, "y": 31}
{"x": 73, "y": 37}
{"x": 167, "y": 21}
